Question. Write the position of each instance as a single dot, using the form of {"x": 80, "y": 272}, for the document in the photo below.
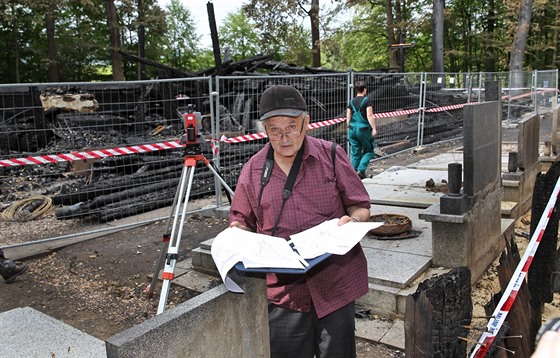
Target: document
{"x": 254, "y": 250}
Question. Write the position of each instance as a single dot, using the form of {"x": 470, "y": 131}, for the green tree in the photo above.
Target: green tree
{"x": 362, "y": 44}
{"x": 239, "y": 35}
{"x": 180, "y": 48}
{"x": 278, "y": 23}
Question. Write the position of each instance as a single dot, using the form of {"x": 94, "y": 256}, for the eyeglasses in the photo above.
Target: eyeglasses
{"x": 291, "y": 131}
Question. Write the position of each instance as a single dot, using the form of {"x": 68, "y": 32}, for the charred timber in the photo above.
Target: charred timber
{"x": 436, "y": 315}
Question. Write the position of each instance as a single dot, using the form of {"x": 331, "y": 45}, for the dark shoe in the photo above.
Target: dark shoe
{"x": 361, "y": 174}
{"x": 18, "y": 270}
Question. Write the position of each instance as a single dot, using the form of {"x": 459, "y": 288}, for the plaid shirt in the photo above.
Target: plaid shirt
{"x": 321, "y": 192}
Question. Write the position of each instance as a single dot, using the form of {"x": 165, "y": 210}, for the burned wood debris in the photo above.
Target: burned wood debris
{"x": 438, "y": 315}
{"x": 41, "y": 120}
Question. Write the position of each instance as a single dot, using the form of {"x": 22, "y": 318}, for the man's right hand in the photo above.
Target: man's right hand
{"x": 238, "y": 225}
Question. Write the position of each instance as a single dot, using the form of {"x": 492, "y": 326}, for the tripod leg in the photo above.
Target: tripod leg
{"x": 176, "y": 232}
{"x": 150, "y": 290}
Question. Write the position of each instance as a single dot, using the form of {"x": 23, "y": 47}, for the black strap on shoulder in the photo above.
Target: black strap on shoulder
{"x": 333, "y": 153}
{"x": 266, "y": 172}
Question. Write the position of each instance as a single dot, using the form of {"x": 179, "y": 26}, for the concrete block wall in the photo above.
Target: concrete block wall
{"x": 214, "y": 324}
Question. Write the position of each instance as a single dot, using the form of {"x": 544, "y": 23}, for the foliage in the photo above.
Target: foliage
{"x": 180, "y": 47}
{"x": 239, "y": 36}
{"x": 282, "y": 33}
{"x": 355, "y": 34}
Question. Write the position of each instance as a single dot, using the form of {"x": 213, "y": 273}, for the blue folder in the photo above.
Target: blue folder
{"x": 240, "y": 267}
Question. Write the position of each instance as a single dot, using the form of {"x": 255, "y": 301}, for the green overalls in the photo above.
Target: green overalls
{"x": 360, "y": 138}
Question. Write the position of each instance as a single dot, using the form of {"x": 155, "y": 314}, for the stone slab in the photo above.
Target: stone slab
{"x": 400, "y": 186}
{"x": 438, "y": 162}
{"x": 26, "y": 332}
{"x": 394, "y": 269}
{"x": 186, "y": 276}
{"x": 372, "y": 330}
{"x": 528, "y": 139}
{"x": 481, "y": 145}
{"x": 395, "y": 335}
{"x": 388, "y": 332}
{"x": 407, "y": 177}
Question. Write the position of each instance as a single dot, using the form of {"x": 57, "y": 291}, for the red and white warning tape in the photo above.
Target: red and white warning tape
{"x": 93, "y": 154}
{"x": 528, "y": 93}
{"x": 144, "y": 148}
{"x": 262, "y": 135}
{"x": 517, "y": 279}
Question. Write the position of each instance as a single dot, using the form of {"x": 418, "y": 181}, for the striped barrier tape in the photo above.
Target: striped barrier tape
{"x": 144, "y": 148}
{"x": 93, "y": 154}
{"x": 102, "y": 153}
{"x": 502, "y": 309}
{"x": 528, "y": 94}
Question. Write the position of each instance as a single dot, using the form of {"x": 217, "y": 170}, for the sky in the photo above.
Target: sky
{"x": 200, "y": 14}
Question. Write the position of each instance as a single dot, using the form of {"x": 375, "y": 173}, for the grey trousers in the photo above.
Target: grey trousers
{"x": 296, "y": 334}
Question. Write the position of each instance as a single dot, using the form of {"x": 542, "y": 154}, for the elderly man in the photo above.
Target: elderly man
{"x": 296, "y": 182}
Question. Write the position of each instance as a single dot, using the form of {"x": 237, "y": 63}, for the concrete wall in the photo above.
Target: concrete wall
{"x": 214, "y": 324}
{"x": 474, "y": 239}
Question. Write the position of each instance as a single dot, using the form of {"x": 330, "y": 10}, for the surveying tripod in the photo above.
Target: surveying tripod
{"x": 174, "y": 228}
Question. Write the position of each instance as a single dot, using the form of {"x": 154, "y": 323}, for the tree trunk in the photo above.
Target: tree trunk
{"x": 315, "y": 39}
{"x": 115, "y": 40}
{"x": 554, "y": 61}
{"x": 520, "y": 37}
{"x": 400, "y": 16}
{"x": 51, "y": 45}
{"x": 16, "y": 48}
{"x": 437, "y": 36}
{"x": 141, "y": 39}
{"x": 393, "y": 54}
{"x": 490, "y": 60}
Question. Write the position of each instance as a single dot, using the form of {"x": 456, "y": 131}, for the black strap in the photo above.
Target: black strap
{"x": 333, "y": 153}
{"x": 266, "y": 172}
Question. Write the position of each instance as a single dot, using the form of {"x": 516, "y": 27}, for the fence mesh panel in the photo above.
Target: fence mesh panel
{"x": 237, "y": 105}
{"x": 88, "y": 154}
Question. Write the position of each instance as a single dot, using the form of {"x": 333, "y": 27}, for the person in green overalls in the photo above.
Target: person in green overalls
{"x": 361, "y": 129}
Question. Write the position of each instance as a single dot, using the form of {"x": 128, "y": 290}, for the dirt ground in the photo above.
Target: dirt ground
{"x": 98, "y": 286}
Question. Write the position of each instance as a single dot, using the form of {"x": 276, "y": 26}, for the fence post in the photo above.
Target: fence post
{"x": 215, "y": 123}
{"x": 421, "y": 108}
{"x": 349, "y": 96}
{"x": 479, "y": 86}
{"x": 509, "y": 99}
{"x": 534, "y": 76}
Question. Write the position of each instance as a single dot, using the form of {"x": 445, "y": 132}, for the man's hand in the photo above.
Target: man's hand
{"x": 346, "y": 219}
{"x": 238, "y": 225}
{"x": 549, "y": 345}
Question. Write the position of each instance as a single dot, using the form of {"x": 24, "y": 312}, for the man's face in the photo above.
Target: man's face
{"x": 286, "y": 134}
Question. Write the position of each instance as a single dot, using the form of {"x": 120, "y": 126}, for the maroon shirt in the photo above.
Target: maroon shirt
{"x": 318, "y": 195}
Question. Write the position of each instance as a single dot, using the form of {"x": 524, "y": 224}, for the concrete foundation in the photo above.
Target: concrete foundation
{"x": 216, "y": 323}
{"x": 473, "y": 239}
{"x": 518, "y": 187}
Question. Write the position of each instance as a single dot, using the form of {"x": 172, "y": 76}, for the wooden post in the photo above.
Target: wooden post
{"x": 214, "y": 35}
{"x": 437, "y": 314}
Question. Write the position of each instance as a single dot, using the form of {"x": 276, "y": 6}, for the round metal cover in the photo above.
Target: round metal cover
{"x": 393, "y": 224}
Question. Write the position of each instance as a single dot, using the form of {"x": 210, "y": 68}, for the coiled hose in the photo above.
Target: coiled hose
{"x": 28, "y": 209}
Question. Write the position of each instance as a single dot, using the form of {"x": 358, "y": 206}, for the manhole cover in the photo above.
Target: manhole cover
{"x": 393, "y": 224}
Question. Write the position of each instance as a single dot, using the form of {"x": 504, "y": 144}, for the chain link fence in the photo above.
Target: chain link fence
{"x": 104, "y": 155}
